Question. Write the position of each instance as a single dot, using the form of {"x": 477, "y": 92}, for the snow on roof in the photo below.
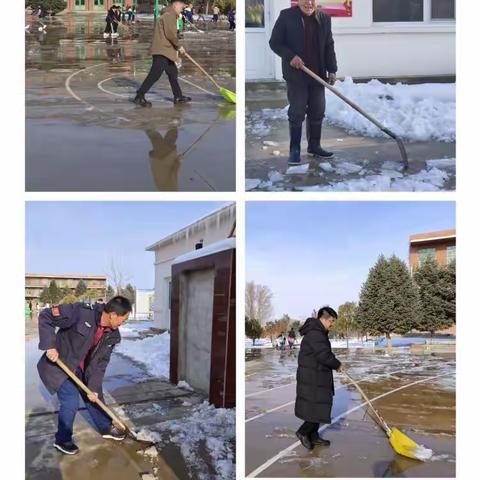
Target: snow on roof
{"x": 222, "y": 245}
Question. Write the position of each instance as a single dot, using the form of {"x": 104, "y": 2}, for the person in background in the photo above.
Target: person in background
{"x": 315, "y": 387}
{"x": 110, "y": 20}
{"x": 216, "y": 13}
{"x": 231, "y": 19}
{"x": 291, "y": 338}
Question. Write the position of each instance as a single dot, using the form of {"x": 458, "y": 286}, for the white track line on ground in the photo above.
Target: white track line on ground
{"x": 281, "y": 454}
{"x": 100, "y": 86}
{"x": 261, "y": 392}
{"x": 68, "y": 81}
{"x": 271, "y": 410}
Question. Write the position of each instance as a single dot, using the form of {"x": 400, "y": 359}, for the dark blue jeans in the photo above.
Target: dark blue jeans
{"x": 69, "y": 398}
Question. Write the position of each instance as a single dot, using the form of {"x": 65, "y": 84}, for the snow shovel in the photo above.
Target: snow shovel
{"x": 194, "y": 26}
{"x": 402, "y": 444}
{"x": 400, "y": 144}
{"x": 226, "y": 94}
{"x": 130, "y": 433}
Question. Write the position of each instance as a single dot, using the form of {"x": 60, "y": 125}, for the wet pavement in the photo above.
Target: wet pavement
{"x": 360, "y": 163}
{"x": 424, "y": 411}
{"x": 145, "y": 403}
{"x": 84, "y": 134}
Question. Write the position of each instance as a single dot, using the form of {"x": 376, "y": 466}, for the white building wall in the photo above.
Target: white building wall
{"x": 142, "y": 303}
{"x": 211, "y": 229}
{"x": 366, "y": 49}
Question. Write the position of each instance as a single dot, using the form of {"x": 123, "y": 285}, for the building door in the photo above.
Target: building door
{"x": 80, "y": 4}
{"x": 99, "y": 4}
{"x": 258, "y": 26}
{"x": 195, "y": 329}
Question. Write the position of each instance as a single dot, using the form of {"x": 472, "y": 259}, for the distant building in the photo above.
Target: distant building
{"x": 205, "y": 231}
{"x": 143, "y": 6}
{"x": 36, "y": 282}
{"x": 144, "y": 303}
{"x": 373, "y": 38}
{"x": 438, "y": 245}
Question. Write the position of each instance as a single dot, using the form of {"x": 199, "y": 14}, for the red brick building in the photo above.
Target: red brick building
{"x": 439, "y": 245}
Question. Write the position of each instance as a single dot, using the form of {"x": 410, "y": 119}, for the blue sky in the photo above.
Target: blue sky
{"x": 317, "y": 253}
{"x": 83, "y": 237}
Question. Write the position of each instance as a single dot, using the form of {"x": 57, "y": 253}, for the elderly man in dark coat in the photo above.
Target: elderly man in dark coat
{"x": 303, "y": 36}
{"x": 315, "y": 389}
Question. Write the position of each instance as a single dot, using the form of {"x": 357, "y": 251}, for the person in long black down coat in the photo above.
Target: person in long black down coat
{"x": 315, "y": 389}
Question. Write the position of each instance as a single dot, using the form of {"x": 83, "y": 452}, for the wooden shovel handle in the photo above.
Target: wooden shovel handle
{"x": 202, "y": 69}
{"x": 89, "y": 392}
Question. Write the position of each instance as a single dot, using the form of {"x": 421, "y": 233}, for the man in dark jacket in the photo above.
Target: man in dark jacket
{"x": 315, "y": 389}
{"x": 82, "y": 337}
{"x": 303, "y": 36}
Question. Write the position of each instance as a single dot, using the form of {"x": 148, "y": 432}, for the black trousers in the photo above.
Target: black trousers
{"x": 306, "y": 97}
{"x": 307, "y": 428}
{"x": 108, "y": 28}
{"x": 159, "y": 65}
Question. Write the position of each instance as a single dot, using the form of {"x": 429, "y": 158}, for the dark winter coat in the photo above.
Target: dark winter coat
{"x": 288, "y": 40}
{"x": 76, "y": 324}
{"x": 316, "y": 361}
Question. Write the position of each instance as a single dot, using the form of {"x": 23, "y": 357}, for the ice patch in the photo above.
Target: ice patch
{"x": 442, "y": 162}
{"x": 423, "y": 453}
{"x": 347, "y": 168}
{"x": 183, "y": 384}
{"x": 270, "y": 143}
{"x": 151, "y": 452}
{"x": 326, "y": 167}
{"x": 252, "y": 183}
{"x": 275, "y": 176}
{"x": 298, "y": 169}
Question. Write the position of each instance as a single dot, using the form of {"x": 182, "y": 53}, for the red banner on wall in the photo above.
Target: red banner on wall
{"x": 335, "y": 8}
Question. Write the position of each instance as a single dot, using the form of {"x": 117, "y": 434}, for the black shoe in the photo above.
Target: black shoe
{"x": 305, "y": 441}
{"x": 142, "y": 101}
{"x": 114, "y": 433}
{"x": 181, "y": 99}
{"x": 316, "y": 439}
{"x": 68, "y": 448}
{"x": 314, "y": 134}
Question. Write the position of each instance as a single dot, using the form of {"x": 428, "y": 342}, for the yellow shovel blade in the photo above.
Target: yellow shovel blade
{"x": 405, "y": 446}
{"x": 228, "y": 95}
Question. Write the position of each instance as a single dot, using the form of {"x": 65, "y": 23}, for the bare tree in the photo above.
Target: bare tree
{"x": 258, "y": 302}
{"x": 117, "y": 276}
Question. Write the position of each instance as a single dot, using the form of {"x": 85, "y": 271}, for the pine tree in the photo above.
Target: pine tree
{"x": 81, "y": 289}
{"x": 129, "y": 292}
{"x": 437, "y": 296}
{"x": 388, "y": 299}
{"x": 55, "y": 294}
{"x": 253, "y": 329}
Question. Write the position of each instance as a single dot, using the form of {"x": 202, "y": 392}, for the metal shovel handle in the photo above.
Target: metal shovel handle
{"x": 89, "y": 392}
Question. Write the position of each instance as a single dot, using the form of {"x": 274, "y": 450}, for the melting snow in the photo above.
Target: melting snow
{"x": 298, "y": 169}
{"x": 423, "y": 453}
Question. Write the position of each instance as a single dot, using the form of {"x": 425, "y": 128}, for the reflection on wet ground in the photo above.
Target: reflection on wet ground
{"x": 425, "y": 412}
{"x": 83, "y": 133}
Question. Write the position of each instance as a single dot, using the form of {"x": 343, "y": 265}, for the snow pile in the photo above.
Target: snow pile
{"x": 414, "y": 112}
{"x": 152, "y": 352}
{"x": 133, "y": 328}
{"x": 423, "y": 453}
{"x": 206, "y": 428}
{"x": 353, "y": 343}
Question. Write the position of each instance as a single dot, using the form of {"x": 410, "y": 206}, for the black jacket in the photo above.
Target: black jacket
{"x": 316, "y": 361}
{"x": 288, "y": 40}
{"x": 76, "y": 324}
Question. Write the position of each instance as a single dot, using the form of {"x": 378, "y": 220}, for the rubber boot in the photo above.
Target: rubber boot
{"x": 295, "y": 141}
{"x": 314, "y": 134}
{"x": 141, "y": 100}
{"x": 316, "y": 439}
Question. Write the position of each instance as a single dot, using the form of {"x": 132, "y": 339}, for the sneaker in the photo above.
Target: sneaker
{"x": 115, "y": 35}
{"x": 181, "y": 99}
{"x": 141, "y": 101}
{"x": 305, "y": 441}
{"x": 114, "y": 433}
{"x": 69, "y": 448}
{"x": 106, "y": 35}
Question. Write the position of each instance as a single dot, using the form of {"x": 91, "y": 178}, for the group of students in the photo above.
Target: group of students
{"x": 282, "y": 340}
{"x": 188, "y": 13}
{"x": 115, "y": 15}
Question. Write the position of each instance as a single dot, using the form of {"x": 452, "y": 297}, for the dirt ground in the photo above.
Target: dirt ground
{"x": 84, "y": 134}
{"x": 425, "y": 412}
{"x": 145, "y": 403}
{"x": 359, "y": 164}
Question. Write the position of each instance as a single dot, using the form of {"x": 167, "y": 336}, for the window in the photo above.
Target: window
{"x": 451, "y": 254}
{"x": 398, "y": 10}
{"x": 255, "y": 13}
{"x": 99, "y": 3}
{"x": 80, "y": 3}
{"x": 424, "y": 253}
{"x": 443, "y": 10}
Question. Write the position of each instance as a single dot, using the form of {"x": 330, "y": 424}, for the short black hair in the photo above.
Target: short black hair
{"x": 327, "y": 310}
{"x": 120, "y": 305}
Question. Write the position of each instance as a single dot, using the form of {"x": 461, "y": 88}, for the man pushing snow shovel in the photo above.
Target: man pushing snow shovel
{"x": 315, "y": 389}
{"x": 302, "y": 36}
{"x": 165, "y": 50}
{"x": 84, "y": 341}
